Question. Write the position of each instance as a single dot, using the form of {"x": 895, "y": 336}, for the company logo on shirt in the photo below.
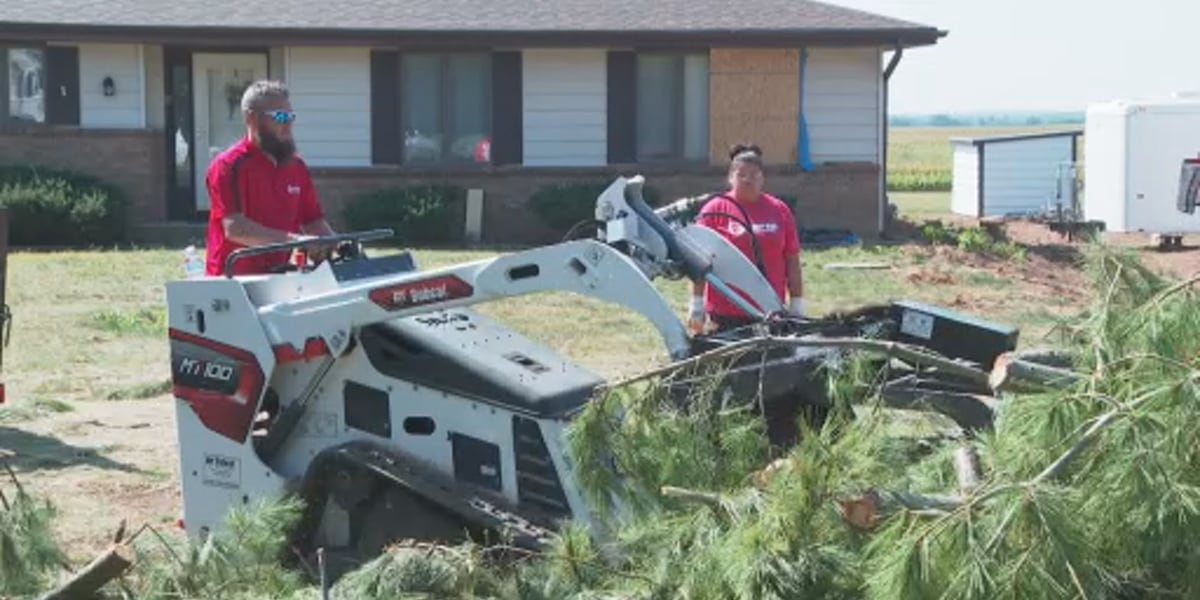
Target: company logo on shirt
{"x": 736, "y": 229}
{"x": 293, "y": 189}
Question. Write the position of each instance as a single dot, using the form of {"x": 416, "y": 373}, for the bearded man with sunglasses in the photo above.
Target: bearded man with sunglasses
{"x": 259, "y": 188}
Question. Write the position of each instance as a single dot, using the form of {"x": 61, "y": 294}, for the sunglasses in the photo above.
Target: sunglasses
{"x": 281, "y": 116}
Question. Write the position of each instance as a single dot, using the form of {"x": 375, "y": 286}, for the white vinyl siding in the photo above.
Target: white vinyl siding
{"x": 1020, "y": 176}
{"x": 842, "y": 104}
{"x": 122, "y": 62}
{"x": 964, "y": 189}
{"x": 330, "y": 91}
{"x": 565, "y": 107}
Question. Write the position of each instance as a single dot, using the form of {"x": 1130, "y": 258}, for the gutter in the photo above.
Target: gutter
{"x": 883, "y": 161}
{"x": 456, "y": 38}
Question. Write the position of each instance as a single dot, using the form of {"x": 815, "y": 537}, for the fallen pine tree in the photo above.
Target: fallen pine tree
{"x": 1088, "y": 486}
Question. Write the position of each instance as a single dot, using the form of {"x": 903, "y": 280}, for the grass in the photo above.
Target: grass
{"x": 919, "y": 206}
{"x": 88, "y": 367}
{"x": 920, "y": 159}
{"x": 66, "y": 348}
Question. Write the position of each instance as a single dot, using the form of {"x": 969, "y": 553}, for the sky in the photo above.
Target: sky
{"x": 1042, "y": 54}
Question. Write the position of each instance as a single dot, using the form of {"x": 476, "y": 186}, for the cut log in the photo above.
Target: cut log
{"x": 969, "y": 411}
{"x": 1049, "y": 357}
{"x": 1012, "y": 373}
{"x": 966, "y": 468}
{"x": 861, "y": 511}
{"x": 106, "y": 567}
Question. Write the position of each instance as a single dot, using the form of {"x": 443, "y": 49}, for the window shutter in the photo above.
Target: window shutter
{"x": 62, "y": 85}
{"x": 386, "y": 136}
{"x": 622, "y": 107}
{"x": 507, "y": 109}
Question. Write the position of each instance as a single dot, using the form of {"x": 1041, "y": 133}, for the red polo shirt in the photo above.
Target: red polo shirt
{"x": 774, "y": 227}
{"x": 243, "y": 179}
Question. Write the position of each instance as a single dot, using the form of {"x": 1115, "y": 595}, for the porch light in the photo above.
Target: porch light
{"x": 110, "y": 88}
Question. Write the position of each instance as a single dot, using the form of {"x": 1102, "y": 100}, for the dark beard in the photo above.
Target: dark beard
{"x": 279, "y": 149}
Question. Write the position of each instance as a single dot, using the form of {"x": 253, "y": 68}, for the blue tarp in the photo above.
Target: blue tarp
{"x": 823, "y": 237}
{"x": 803, "y": 152}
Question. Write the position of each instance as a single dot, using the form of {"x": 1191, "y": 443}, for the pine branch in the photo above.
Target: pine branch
{"x": 707, "y": 498}
{"x": 1171, "y": 291}
{"x": 108, "y": 566}
{"x": 966, "y": 469}
{"x": 1080, "y": 445}
{"x": 911, "y": 353}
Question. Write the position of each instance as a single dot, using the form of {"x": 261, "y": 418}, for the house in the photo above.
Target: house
{"x": 501, "y": 97}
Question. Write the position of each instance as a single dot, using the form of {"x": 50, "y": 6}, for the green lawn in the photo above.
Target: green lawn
{"x": 87, "y": 370}
{"x": 90, "y": 325}
{"x": 917, "y": 206}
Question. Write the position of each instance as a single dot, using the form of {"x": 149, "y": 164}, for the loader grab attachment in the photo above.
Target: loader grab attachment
{"x": 372, "y": 388}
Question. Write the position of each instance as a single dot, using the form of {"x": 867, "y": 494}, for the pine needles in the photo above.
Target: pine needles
{"x": 1089, "y": 491}
{"x": 242, "y": 561}
{"x": 29, "y": 555}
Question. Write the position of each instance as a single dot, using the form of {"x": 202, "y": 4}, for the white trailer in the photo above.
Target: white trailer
{"x": 1133, "y": 150}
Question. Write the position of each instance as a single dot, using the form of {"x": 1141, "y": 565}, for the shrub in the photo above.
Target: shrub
{"x": 58, "y": 207}
{"x": 563, "y": 205}
{"x": 971, "y": 239}
{"x": 424, "y": 214}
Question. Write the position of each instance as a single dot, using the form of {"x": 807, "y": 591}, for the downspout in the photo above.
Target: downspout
{"x": 883, "y": 178}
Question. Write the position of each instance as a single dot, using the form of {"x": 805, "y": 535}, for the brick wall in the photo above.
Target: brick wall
{"x": 130, "y": 159}
{"x": 832, "y": 196}
{"x": 754, "y": 96}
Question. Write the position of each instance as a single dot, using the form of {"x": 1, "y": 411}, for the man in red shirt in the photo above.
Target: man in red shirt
{"x": 774, "y": 230}
{"x": 259, "y": 189}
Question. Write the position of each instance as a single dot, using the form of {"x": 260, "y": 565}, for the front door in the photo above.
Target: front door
{"x": 218, "y": 81}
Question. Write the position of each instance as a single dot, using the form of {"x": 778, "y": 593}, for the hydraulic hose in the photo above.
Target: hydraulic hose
{"x": 695, "y": 264}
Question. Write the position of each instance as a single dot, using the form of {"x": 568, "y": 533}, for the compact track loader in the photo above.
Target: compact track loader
{"x": 371, "y": 388}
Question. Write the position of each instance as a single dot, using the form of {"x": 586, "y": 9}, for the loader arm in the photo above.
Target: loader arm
{"x": 585, "y": 267}
{"x": 663, "y": 246}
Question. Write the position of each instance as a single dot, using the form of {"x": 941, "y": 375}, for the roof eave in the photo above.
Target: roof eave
{"x": 905, "y": 37}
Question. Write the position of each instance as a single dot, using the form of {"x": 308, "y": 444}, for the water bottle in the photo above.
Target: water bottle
{"x": 193, "y": 265}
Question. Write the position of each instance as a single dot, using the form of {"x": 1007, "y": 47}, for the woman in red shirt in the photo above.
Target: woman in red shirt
{"x": 774, "y": 230}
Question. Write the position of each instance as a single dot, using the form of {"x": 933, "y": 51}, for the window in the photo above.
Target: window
{"x": 672, "y": 107}
{"x": 445, "y": 113}
{"x": 25, "y": 82}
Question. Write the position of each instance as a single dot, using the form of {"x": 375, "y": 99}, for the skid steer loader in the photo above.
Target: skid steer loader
{"x": 371, "y": 388}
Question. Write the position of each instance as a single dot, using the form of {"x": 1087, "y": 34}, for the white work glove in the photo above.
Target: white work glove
{"x": 696, "y": 316}
{"x": 796, "y": 307}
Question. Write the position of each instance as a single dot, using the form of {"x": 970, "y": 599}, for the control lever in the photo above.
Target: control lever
{"x": 357, "y": 237}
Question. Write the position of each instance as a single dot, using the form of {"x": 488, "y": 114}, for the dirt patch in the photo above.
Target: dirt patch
{"x": 100, "y": 464}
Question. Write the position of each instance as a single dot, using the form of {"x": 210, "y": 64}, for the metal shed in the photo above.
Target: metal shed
{"x": 1014, "y": 174}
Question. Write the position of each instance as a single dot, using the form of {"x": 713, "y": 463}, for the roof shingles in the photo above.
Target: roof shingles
{"x": 632, "y": 16}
